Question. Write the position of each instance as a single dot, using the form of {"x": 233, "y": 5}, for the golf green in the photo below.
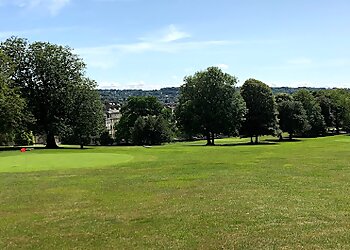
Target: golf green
{"x": 32, "y": 161}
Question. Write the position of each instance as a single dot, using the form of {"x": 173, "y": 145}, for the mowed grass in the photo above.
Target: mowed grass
{"x": 56, "y": 160}
{"x": 288, "y": 195}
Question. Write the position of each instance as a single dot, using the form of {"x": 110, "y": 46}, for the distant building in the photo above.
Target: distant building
{"x": 112, "y": 117}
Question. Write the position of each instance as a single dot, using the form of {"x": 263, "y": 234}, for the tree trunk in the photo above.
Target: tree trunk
{"x": 251, "y": 140}
{"x": 81, "y": 146}
{"x": 280, "y": 137}
{"x": 208, "y": 139}
{"x": 212, "y": 139}
{"x": 337, "y": 125}
{"x": 50, "y": 141}
{"x": 256, "y": 139}
{"x": 290, "y": 136}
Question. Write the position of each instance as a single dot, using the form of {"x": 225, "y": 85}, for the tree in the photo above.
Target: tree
{"x": 86, "y": 119}
{"x": 46, "y": 74}
{"x": 261, "y": 118}
{"x": 313, "y": 112}
{"x": 106, "y": 139}
{"x": 324, "y": 99}
{"x": 340, "y": 108}
{"x": 136, "y": 107}
{"x": 151, "y": 130}
{"x": 13, "y": 115}
{"x": 209, "y": 105}
{"x": 291, "y": 114}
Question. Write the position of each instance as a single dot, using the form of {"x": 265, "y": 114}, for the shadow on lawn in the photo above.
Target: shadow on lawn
{"x": 4, "y": 149}
{"x": 265, "y": 142}
{"x": 283, "y": 141}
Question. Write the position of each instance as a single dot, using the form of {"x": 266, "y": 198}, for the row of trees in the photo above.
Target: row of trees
{"x": 44, "y": 90}
{"x": 210, "y": 104}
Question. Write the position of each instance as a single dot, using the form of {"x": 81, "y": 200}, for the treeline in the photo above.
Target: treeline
{"x": 44, "y": 91}
{"x": 211, "y": 105}
{"x": 170, "y": 96}
{"x": 164, "y": 95}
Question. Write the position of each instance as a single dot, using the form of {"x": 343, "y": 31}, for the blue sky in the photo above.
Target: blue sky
{"x": 155, "y": 43}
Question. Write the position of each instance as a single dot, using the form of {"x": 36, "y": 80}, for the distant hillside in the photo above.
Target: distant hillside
{"x": 168, "y": 96}
{"x": 165, "y": 95}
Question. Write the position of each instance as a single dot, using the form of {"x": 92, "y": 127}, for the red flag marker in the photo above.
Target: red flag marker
{"x": 23, "y": 150}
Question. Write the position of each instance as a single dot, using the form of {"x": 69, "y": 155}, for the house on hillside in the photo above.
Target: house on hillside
{"x": 112, "y": 117}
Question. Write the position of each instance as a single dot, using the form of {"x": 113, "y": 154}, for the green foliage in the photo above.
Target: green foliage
{"x": 24, "y": 138}
{"x": 164, "y": 95}
{"x": 51, "y": 79}
{"x": 291, "y": 114}
{"x": 144, "y": 121}
{"x": 14, "y": 115}
{"x": 106, "y": 139}
{"x": 340, "y": 108}
{"x": 261, "y": 118}
{"x": 325, "y": 101}
{"x": 281, "y": 97}
{"x": 313, "y": 112}
{"x": 86, "y": 119}
{"x": 209, "y": 105}
{"x": 151, "y": 130}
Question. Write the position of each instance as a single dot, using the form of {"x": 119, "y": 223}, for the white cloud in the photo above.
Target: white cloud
{"x": 117, "y": 85}
{"x": 167, "y": 41}
{"x": 57, "y": 5}
{"x": 169, "y": 34}
{"x": 53, "y": 6}
{"x": 173, "y": 34}
{"x": 135, "y": 85}
{"x": 109, "y": 85}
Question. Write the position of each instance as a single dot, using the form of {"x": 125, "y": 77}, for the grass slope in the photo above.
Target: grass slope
{"x": 278, "y": 195}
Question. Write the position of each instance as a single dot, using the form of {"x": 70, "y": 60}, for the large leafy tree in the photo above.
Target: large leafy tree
{"x": 313, "y": 112}
{"x": 291, "y": 114}
{"x": 151, "y": 130}
{"x": 13, "y": 112}
{"x": 136, "y": 107}
{"x": 86, "y": 119}
{"x": 324, "y": 99}
{"x": 340, "y": 107}
{"x": 261, "y": 118}
{"x": 46, "y": 74}
{"x": 209, "y": 104}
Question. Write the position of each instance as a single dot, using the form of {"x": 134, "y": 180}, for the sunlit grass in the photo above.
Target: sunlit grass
{"x": 184, "y": 195}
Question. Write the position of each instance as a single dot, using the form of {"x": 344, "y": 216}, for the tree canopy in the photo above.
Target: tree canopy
{"x": 86, "y": 119}
{"x": 47, "y": 75}
{"x": 261, "y": 118}
{"x": 143, "y": 122}
{"x": 13, "y": 115}
{"x": 313, "y": 112}
{"x": 291, "y": 114}
{"x": 209, "y": 104}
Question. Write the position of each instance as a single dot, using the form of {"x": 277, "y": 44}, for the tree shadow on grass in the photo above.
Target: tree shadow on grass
{"x": 264, "y": 142}
{"x": 283, "y": 141}
{"x": 237, "y": 144}
{"x": 4, "y": 149}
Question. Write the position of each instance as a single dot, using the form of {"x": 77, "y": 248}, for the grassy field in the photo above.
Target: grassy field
{"x": 288, "y": 195}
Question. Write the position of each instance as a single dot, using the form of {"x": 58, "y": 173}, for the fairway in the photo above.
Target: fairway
{"x": 275, "y": 195}
{"x": 33, "y": 161}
